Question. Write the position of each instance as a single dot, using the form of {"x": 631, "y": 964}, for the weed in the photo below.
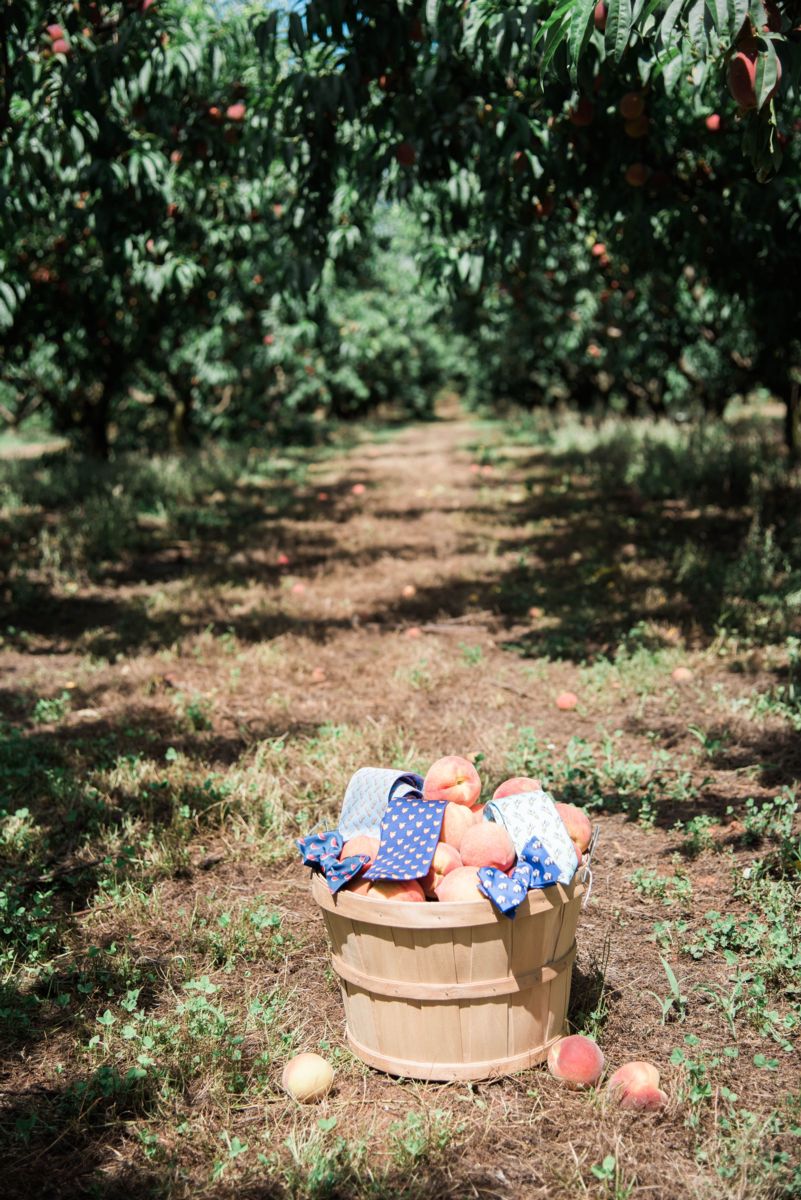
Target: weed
{"x": 49, "y": 711}
{"x": 671, "y": 889}
{"x": 674, "y": 1006}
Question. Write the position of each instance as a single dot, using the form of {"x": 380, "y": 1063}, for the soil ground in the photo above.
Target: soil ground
{"x": 210, "y": 701}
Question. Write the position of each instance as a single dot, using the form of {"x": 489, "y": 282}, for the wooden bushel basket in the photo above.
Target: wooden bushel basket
{"x": 453, "y": 991}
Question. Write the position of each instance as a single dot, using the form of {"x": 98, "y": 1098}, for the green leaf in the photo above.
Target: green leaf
{"x": 669, "y": 20}
{"x": 618, "y": 26}
{"x": 579, "y": 34}
{"x": 767, "y": 74}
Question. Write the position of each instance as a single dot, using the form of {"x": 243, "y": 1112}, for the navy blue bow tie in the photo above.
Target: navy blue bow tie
{"x": 322, "y": 850}
{"x": 535, "y": 869}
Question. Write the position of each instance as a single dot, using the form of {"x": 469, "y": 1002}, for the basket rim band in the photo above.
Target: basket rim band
{"x": 456, "y": 914}
{"x": 450, "y": 992}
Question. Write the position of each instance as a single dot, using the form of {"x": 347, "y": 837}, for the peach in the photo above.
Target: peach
{"x": 307, "y": 1077}
{"x": 648, "y": 1099}
{"x": 455, "y": 823}
{"x": 633, "y": 1077}
{"x": 566, "y": 701}
{"x": 362, "y": 843}
{"x": 513, "y": 787}
{"x": 682, "y": 675}
{"x": 446, "y": 859}
{"x": 631, "y": 106}
{"x": 452, "y": 778}
{"x": 742, "y": 78}
{"x": 461, "y": 884}
{"x": 636, "y": 175}
{"x": 576, "y": 1061}
{"x": 358, "y": 489}
{"x": 408, "y": 890}
{"x": 582, "y": 114}
{"x": 576, "y": 822}
{"x": 359, "y": 886}
{"x": 487, "y": 845}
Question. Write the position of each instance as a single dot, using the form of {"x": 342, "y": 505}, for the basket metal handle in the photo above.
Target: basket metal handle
{"x": 586, "y": 866}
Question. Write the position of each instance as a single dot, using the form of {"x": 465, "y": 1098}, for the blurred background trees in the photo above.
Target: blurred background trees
{"x": 237, "y": 221}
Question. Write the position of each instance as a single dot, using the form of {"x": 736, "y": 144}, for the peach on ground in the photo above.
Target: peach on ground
{"x": 460, "y": 885}
{"x": 362, "y": 843}
{"x": 633, "y": 1077}
{"x": 576, "y": 1060}
{"x": 398, "y": 889}
{"x": 452, "y": 778}
{"x": 566, "y": 701}
{"x": 456, "y": 821}
{"x": 307, "y": 1077}
{"x": 446, "y": 859}
{"x": 576, "y": 822}
{"x": 516, "y": 785}
{"x": 487, "y": 845}
{"x": 414, "y": 631}
{"x": 682, "y": 675}
{"x": 409, "y": 590}
{"x": 647, "y": 1099}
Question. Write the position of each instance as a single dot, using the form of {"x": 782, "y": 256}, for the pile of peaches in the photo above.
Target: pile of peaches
{"x": 466, "y": 840}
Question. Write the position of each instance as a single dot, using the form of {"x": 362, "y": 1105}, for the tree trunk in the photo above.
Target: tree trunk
{"x": 180, "y": 420}
{"x": 792, "y": 423}
{"x": 97, "y": 428}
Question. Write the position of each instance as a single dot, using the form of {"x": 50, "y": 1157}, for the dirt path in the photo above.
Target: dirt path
{"x": 218, "y": 697}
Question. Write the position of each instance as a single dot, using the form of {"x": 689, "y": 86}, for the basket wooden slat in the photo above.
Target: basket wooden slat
{"x": 452, "y": 991}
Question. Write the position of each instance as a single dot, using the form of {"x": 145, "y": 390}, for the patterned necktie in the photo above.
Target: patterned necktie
{"x": 530, "y": 815}
{"x": 409, "y": 836}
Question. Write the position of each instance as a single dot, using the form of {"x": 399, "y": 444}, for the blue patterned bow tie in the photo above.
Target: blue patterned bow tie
{"x": 535, "y": 869}
{"x": 322, "y": 850}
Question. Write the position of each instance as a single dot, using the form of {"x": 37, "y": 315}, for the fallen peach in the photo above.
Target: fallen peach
{"x": 576, "y": 1061}
{"x": 648, "y": 1099}
{"x": 461, "y": 884}
{"x": 452, "y": 778}
{"x": 358, "y": 489}
{"x": 409, "y": 590}
{"x": 576, "y": 822}
{"x": 446, "y": 859}
{"x": 516, "y": 785}
{"x": 399, "y": 889}
{"x": 414, "y": 631}
{"x": 307, "y": 1077}
{"x": 362, "y": 843}
{"x": 633, "y": 1077}
{"x": 486, "y": 844}
{"x": 682, "y": 675}
{"x": 455, "y": 823}
{"x": 566, "y": 701}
